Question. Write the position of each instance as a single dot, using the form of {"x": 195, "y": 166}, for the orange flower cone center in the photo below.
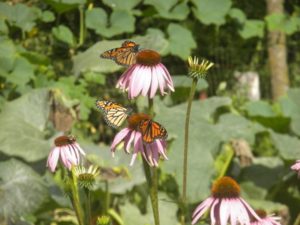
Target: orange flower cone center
{"x": 225, "y": 187}
{"x": 64, "y": 140}
{"x": 135, "y": 119}
{"x": 148, "y": 58}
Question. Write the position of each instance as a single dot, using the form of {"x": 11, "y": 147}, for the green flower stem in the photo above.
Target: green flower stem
{"x": 152, "y": 183}
{"x": 76, "y": 199}
{"x": 107, "y": 197}
{"x": 186, "y": 146}
{"x": 88, "y": 206}
{"x": 227, "y": 162}
{"x": 82, "y": 27}
{"x": 152, "y": 179}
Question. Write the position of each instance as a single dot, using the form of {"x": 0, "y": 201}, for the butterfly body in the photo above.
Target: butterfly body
{"x": 114, "y": 113}
{"x": 124, "y": 55}
{"x": 152, "y": 130}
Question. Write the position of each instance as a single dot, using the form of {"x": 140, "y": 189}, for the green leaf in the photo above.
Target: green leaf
{"x": 48, "y": 16}
{"x": 64, "y": 34}
{"x": 90, "y": 61}
{"x": 186, "y": 82}
{"x": 203, "y": 140}
{"x": 121, "y": 21}
{"x": 22, "y": 189}
{"x": 252, "y": 28}
{"x": 292, "y": 25}
{"x": 101, "y": 156}
{"x": 167, "y": 211}
{"x": 259, "y": 108}
{"x": 22, "y": 73}
{"x": 62, "y": 6}
{"x": 95, "y": 78}
{"x": 177, "y": 36}
{"x": 275, "y": 21}
{"x": 287, "y": 146}
{"x": 3, "y": 26}
{"x": 23, "y": 122}
{"x": 237, "y": 14}
{"x": 121, "y": 4}
{"x": 211, "y": 11}
{"x": 231, "y": 126}
{"x": 7, "y": 56}
{"x": 170, "y": 9}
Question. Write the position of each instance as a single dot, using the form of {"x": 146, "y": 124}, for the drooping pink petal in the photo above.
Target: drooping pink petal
{"x": 53, "y": 159}
{"x": 147, "y": 74}
{"x": 201, "y": 209}
{"x": 224, "y": 211}
{"x": 119, "y": 137}
{"x": 129, "y": 141}
{"x": 249, "y": 209}
{"x": 154, "y": 83}
{"x": 161, "y": 148}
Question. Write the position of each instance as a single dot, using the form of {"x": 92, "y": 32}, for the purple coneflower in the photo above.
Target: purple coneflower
{"x": 67, "y": 149}
{"x": 296, "y": 167}
{"x": 132, "y": 136}
{"x": 225, "y": 204}
{"x": 146, "y": 76}
{"x": 265, "y": 219}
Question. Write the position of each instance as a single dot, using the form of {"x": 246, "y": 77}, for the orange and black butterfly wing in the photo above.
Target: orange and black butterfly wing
{"x": 114, "y": 113}
{"x": 125, "y": 55}
{"x": 152, "y": 130}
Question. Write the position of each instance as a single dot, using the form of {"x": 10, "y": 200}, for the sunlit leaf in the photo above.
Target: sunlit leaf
{"x": 23, "y": 71}
{"x": 237, "y": 14}
{"x": 23, "y": 122}
{"x": 22, "y": 189}
{"x": 211, "y": 11}
{"x": 7, "y": 56}
{"x": 48, "y": 16}
{"x": 287, "y": 146}
{"x": 181, "y": 41}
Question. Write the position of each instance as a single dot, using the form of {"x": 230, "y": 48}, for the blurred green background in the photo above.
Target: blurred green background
{"x": 51, "y": 75}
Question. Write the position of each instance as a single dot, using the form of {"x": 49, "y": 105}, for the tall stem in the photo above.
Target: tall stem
{"x": 186, "y": 145}
{"x": 107, "y": 197}
{"x": 76, "y": 200}
{"x": 152, "y": 184}
{"x": 227, "y": 162}
{"x": 81, "y": 31}
{"x": 152, "y": 178}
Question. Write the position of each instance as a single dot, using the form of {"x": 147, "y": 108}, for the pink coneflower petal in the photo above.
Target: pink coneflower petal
{"x": 248, "y": 207}
{"x": 119, "y": 137}
{"x": 129, "y": 141}
{"x": 147, "y": 81}
{"x": 224, "y": 211}
{"x": 53, "y": 159}
{"x": 154, "y": 83}
{"x": 161, "y": 148}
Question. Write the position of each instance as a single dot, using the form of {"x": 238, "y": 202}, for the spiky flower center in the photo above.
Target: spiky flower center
{"x": 225, "y": 187}
{"x": 135, "y": 119}
{"x": 148, "y": 58}
{"x": 64, "y": 140}
{"x": 87, "y": 177}
{"x": 261, "y": 213}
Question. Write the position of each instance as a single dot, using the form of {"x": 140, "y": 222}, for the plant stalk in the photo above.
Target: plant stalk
{"x": 76, "y": 199}
{"x": 81, "y": 25}
{"x": 186, "y": 146}
{"x": 88, "y": 206}
{"x": 227, "y": 162}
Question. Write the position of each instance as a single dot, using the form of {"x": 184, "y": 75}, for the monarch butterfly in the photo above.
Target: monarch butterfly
{"x": 152, "y": 130}
{"x": 124, "y": 55}
{"x": 114, "y": 113}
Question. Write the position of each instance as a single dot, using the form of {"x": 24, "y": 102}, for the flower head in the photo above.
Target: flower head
{"x": 86, "y": 177}
{"x": 224, "y": 204}
{"x": 67, "y": 150}
{"x": 146, "y": 76}
{"x": 296, "y": 167}
{"x": 265, "y": 219}
{"x": 197, "y": 70}
{"x": 131, "y": 136}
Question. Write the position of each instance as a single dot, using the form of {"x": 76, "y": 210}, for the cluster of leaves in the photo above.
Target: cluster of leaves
{"x": 51, "y": 75}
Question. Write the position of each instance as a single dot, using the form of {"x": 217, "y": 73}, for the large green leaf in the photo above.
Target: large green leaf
{"x": 237, "y": 14}
{"x": 7, "y": 56}
{"x": 211, "y": 11}
{"x": 20, "y": 15}
{"x": 170, "y": 9}
{"x": 120, "y": 21}
{"x": 90, "y": 59}
{"x": 101, "y": 156}
{"x": 287, "y": 146}
{"x": 121, "y": 4}
{"x": 181, "y": 41}
{"x": 203, "y": 142}
{"x": 167, "y": 211}
{"x": 62, "y": 6}
{"x": 22, "y": 189}
{"x": 252, "y": 28}
{"x": 22, "y": 126}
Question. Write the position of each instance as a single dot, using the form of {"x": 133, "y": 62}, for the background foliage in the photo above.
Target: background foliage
{"x": 51, "y": 75}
